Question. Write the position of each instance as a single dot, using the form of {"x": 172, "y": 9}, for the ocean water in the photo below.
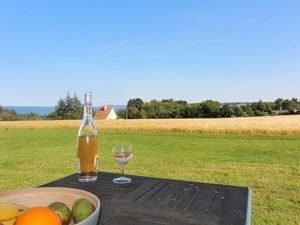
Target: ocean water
{"x": 45, "y": 110}
{"x": 42, "y": 110}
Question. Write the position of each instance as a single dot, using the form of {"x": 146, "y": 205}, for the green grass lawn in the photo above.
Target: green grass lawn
{"x": 269, "y": 165}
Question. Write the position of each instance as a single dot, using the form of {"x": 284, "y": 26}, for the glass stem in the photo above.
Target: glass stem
{"x": 122, "y": 170}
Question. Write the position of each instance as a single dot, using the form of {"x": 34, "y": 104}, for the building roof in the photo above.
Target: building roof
{"x": 102, "y": 113}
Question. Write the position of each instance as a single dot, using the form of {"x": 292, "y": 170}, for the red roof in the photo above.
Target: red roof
{"x": 102, "y": 113}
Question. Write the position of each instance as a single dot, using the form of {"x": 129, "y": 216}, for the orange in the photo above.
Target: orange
{"x": 38, "y": 216}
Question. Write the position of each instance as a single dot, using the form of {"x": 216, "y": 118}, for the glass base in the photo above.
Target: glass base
{"x": 87, "y": 179}
{"x": 122, "y": 180}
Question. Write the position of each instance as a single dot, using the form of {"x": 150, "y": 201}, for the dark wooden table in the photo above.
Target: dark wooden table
{"x": 152, "y": 201}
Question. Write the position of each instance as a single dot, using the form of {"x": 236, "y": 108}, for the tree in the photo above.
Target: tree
{"x": 189, "y": 111}
{"x": 286, "y": 104}
{"x": 121, "y": 113}
{"x": 68, "y": 108}
{"x": 9, "y": 115}
{"x": 167, "y": 108}
{"x": 210, "y": 109}
{"x": 278, "y": 104}
{"x": 133, "y": 113}
{"x": 170, "y": 108}
{"x": 295, "y": 100}
{"x": 259, "y": 113}
{"x": 227, "y": 111}
{"x": 181, "y": 102}
{"x": 143, "y": 114}
{"x": 258, "y": 108}
{"x": 133, "y": 105}
{"x": 151, "y": 109}
{"x": 238, "y": 111}
{"x": 135, "y": 102}
{"x": 167, "y": 100}
{"x": 268, "y": 107}
{"x": 261, "y": 106}
{"x": 60, "y": 110}
{"x": 291, "y": 106}
{"x": 247, "y": 110}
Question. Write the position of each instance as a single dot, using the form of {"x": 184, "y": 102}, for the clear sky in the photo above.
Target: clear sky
{"x": 152, "y": 49}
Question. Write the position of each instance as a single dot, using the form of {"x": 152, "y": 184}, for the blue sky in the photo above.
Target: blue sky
{"x": 120, "y": 49}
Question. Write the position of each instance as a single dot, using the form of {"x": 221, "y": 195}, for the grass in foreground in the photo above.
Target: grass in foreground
{"x": 269, "y": 165}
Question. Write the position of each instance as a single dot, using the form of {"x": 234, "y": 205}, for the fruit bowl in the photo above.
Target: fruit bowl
{"x": 44, "y": 196}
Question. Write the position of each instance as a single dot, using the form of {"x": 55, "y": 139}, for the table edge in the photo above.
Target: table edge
{"x": 159, "y": 179}
{"x": 249, "y": 207}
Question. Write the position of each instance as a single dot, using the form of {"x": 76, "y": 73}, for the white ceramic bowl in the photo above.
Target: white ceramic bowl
{"x": 44, "y": 196}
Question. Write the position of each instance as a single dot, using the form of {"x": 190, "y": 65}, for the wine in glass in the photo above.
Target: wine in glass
{"x": 122, "y": 154}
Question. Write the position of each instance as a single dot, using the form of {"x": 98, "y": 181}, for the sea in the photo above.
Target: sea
{"x": 45, "y": 110}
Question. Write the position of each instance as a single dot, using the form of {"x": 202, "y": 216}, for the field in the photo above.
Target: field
{"x": 33, "y": 153}
{"x": 268, "y": 125}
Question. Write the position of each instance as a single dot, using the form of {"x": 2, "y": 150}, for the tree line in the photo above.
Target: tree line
{"x": 12, "y": 115}
{"x": 67, "y": 108}
{"x": 71, "y": 108}
{"x": 169, "y": 108}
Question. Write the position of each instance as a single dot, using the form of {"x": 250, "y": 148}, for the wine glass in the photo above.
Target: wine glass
{"x": 122, "y": 154}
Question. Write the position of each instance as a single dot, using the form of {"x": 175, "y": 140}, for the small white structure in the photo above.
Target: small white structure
{"x": 105, "y": 113}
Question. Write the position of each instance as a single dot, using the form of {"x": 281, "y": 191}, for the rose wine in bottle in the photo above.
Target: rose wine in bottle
{"x": 87, "y": 144}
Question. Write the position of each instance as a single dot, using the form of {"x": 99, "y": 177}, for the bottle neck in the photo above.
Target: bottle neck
{"x": 88, "y": 110}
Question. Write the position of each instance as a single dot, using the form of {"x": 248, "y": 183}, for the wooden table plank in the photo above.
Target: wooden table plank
{"x": 153, "y": 201}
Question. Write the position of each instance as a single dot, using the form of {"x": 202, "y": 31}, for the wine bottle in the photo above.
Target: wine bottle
{"x": 87, "y": 144}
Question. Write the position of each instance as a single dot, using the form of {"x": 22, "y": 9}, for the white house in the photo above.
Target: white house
{"x": 105, "y": 113}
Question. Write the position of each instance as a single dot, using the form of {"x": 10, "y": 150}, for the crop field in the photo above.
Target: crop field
{"x": 268, "y": 125}
{"x": 261, "y": 153}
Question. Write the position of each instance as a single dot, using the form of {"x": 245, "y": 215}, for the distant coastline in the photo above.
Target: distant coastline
{"x": 45, "y": 110}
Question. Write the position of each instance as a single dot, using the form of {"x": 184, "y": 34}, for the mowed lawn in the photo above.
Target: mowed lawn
{"x": 269, "y": 165}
